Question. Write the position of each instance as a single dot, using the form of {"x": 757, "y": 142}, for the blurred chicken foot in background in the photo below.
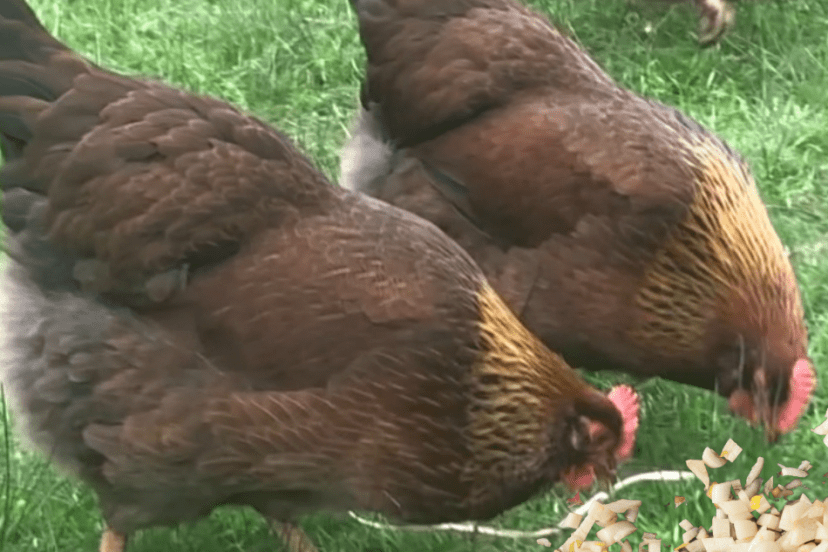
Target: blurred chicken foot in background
{"x": 716, "y": 17}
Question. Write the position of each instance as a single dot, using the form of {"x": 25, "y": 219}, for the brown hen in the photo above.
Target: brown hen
{"x": 623, "y": 233}
{"x": 194, "y": 317}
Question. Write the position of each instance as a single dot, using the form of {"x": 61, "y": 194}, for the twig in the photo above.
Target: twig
{"x": 666, "y": 475}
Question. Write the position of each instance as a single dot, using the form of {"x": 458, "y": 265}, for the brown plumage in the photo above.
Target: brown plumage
{"x": 623, "y": 233}
{"x": 193, "y": 316}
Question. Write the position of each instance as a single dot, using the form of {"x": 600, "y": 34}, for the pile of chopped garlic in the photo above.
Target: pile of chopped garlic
{"x": 745, "y": 520}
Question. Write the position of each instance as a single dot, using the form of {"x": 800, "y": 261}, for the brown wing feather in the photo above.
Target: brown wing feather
{"x": 142, "y": 176}
{"x": 541, "y": 168}
{"x": 433, "y": 66}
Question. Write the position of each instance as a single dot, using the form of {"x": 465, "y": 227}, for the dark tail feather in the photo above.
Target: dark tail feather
{"x": 18, "y": 10}
{"x": 28, "y": 55}
{"x": 22, "y": 78}
{"x": 17, "y": 117}
{"x": 35, "y": 68}
{"x": 36, "y": 73}
{"x": 28, "y": 83}
{"x": 22, "y": 36}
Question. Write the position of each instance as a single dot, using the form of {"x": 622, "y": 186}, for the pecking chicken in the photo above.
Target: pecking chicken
{"x": 192, "y": 316}
{"x": 623, "y": 233}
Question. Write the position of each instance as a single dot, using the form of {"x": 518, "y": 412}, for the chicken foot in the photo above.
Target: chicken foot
{"x": 293, "y": 537}
{"x": 716, "y": 18}
{"x": 112, "y": 541}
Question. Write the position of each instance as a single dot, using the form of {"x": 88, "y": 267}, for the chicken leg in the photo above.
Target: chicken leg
{"x": 716, "y": 17}
{"x": 112, "y": 541}
{"x": 293, "y": 537}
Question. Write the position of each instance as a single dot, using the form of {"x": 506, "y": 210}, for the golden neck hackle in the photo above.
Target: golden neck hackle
{"x": 724, "y": 255}
{"x": 516, "y": 386}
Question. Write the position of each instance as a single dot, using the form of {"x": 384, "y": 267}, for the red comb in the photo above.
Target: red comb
{"x": 626, "y": 400}
{"x": 802, "y": 384}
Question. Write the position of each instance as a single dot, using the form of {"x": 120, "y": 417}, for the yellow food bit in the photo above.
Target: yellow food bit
{"x": 755, "y": 502}
{"x": 710, "y": 489}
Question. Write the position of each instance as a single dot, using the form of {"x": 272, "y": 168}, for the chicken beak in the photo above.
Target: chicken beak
{"x": 766, "y": 407}
{"x": 756, "y": 408}
{"x": 577, "y": 478}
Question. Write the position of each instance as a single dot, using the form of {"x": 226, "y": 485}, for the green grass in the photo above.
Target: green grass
{"x": 297, "y": 63}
